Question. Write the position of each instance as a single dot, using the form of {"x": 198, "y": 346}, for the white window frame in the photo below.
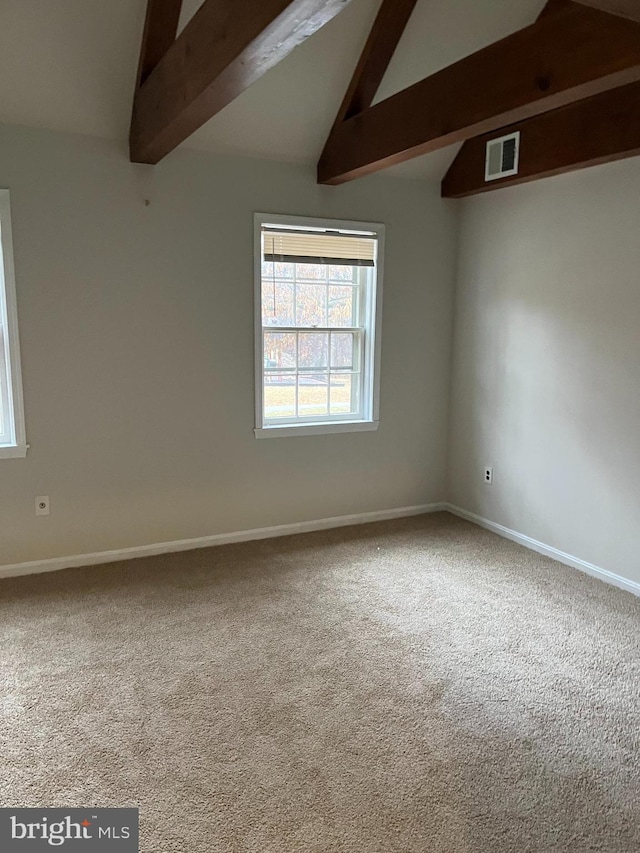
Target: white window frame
{"x": 13, "y": 441}
{"x": 372, "y": 324}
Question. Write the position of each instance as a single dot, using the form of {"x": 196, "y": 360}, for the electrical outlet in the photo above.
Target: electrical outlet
{"x": 488, "y": 476}
{"x": 42, "y": 505}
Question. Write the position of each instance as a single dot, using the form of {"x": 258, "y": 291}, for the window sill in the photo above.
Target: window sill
{"x": 13, "y": 451}
{"x": 289, "y": 430}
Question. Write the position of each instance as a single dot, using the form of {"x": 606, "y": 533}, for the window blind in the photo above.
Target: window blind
{"x": 304, "y": 247}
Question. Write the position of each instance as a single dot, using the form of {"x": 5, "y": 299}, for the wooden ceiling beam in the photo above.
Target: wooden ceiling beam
{"x": 597, "y": 130}
{"x": 385, "y": 34}
{"x": 226, "y": 46}
{"x": 376, "y": 55}
{"x": 556, "y": 61}
{"x": 160, "y": 30}
{"x": 555, "y": 7}
{"x": 624, "y": 8}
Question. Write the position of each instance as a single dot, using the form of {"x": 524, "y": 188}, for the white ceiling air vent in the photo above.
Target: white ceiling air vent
{"x": 503, "y": 155}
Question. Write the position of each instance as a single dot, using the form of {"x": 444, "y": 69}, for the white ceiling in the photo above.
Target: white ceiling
{"x": 70, "y": 65}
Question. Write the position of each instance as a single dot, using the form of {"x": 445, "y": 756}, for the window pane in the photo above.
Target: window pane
{"x": 277, "y": 303}
{"x": 313, "y": 395}
{"x": 344, "y": 393}
{"x": 313, "y": 350}
{"x": 280, "y": 350}
{"x": 317, "y": 272}
{"x": 277, "y": 270}
{"x": 4, "y": 391}
{"x": 3, "y": 394}
{"x": 280, "y": 395}
{"x": 342, "y": 350}
{"x": 341, "y": 306}
{"x": 311, "y": 304}
{"x": 341, "y": 273}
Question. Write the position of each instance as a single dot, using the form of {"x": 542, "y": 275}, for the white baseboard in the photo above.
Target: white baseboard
{"x": 547, "y": 550}
{"x": 57, "y": 563}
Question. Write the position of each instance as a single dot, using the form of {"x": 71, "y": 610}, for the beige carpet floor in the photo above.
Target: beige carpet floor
{"x": 417, "y": 686}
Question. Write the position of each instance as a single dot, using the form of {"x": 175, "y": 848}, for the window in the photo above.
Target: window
{"x": 318, "y": 295}
{"x": 12, "y": 435}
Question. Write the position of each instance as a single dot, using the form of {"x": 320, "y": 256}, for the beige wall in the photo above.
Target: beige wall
{"x": 546, "y": 381}
{"x": 137, "y": 347}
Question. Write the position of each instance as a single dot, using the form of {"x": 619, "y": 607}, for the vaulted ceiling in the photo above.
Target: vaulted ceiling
{"x": 70, "y": 65}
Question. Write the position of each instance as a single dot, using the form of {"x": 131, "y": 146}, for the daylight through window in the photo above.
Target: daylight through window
{"x": 318, "y": 287}
{"x": 12, "y": 438}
